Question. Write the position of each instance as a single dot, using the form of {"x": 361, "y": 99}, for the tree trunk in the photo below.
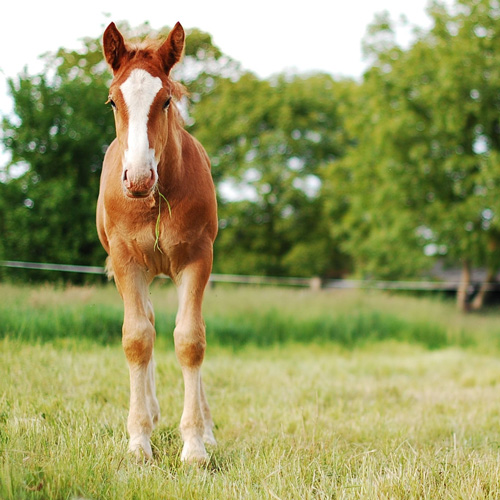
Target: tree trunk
{"x": 463, "y": 287}
{"x": 478, "y": 301}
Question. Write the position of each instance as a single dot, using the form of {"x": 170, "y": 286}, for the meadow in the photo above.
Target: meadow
{"x": 327, "y": 395}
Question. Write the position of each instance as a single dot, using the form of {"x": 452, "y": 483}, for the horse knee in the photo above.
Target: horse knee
{"x": 190, "y": 345}
{"x": 138, "y": 340}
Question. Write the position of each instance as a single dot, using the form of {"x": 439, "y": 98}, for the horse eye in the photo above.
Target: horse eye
{"x": 167, "y": 103}
{"x": 110, "y": 101}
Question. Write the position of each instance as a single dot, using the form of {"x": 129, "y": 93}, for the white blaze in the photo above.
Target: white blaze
{"x": 139, "y": 91}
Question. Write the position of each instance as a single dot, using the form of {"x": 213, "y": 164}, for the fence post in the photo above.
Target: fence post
{"x": 315, "y": 284}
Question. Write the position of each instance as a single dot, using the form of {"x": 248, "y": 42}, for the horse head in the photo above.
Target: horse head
{"x": 140, "y": 95}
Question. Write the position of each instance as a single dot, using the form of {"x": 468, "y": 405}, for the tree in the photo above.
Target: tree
{"x": 268, "y": 140}
{"x": 59, "y": 134}
{"x": 423, "y": 174}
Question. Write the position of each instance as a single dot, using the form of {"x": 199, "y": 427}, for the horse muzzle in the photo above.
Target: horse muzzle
{"x": 139, "y": 185}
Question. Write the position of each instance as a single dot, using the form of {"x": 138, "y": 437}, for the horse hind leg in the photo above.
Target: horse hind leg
{"x": 152, "y": 400}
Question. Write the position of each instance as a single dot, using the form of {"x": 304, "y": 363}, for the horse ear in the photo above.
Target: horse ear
{"x": 172, "y": 48}
{"x": 113, "y": 46}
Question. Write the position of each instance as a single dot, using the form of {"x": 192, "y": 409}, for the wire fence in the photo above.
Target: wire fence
{"x": 313, "y": 283}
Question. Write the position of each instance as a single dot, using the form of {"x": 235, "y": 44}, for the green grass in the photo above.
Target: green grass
{"x": 239, "y": 316}
{"x": 311, "y": 414}
{"x": 389, "y": 421}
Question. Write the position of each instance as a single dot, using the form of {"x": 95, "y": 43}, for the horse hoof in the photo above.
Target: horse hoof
{"x": 140, "y": 448}
{"x": 194, "y": 453}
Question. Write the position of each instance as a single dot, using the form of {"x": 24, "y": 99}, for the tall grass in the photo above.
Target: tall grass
{"x": 244, "y": 316}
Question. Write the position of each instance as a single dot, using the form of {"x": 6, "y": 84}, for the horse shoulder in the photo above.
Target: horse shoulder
{"x": 202, "y": 201}
{"x": 193, "y": 153}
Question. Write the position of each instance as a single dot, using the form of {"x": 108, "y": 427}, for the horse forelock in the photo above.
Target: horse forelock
{"x": 144, "y": 55}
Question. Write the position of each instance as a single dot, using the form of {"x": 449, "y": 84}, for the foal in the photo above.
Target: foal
{"x": 157, "y": 214}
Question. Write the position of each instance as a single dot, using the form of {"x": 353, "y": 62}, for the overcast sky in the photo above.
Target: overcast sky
{"x": 265, "y": 36}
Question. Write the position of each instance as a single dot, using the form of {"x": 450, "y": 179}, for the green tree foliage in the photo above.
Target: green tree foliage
{"x": 268, "y": 140}
{"x": 58, "y": 135}
{"x": 423, "y": 171}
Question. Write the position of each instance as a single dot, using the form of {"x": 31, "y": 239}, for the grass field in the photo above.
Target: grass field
{"x": 404, "y": 403}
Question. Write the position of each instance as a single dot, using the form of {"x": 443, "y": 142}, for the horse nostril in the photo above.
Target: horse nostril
{"x": 125, "y": 175}
{"x": 152, "y": 179}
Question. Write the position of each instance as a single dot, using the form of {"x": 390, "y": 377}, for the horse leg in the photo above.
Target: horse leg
{"x": 152, "y": 401}
{"x": 189, "y": 336}
{"x": 208, "y": 432}
{"x": 138, "y": 335}
{"x": 151, "y": 385}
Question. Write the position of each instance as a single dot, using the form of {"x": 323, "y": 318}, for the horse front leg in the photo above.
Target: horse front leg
{"x": 189, "y": 335}
{"x": 138, "y": 336}
{"x": 208, "y": 431}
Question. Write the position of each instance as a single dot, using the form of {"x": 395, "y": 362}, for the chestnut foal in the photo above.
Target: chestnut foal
{"x": 157, "y": 214}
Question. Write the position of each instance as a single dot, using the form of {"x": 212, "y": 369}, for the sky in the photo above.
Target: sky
{"x": 265, "y": 36}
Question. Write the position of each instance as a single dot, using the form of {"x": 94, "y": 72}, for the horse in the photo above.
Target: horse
{"x": 157, "y": 214}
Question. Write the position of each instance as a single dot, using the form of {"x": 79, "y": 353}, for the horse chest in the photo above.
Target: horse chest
{"x": 160, "y": 248}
